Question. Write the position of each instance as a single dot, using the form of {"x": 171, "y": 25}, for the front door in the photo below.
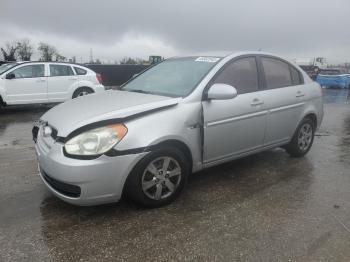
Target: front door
{"x": 29, "y": 85}
{"x": 235, "y": 126}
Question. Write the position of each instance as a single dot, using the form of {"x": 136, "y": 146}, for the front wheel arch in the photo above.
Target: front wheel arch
{"x": 132, "y": 187}
{"x": 172, "y": 143}
{"x": 180, "y": 146}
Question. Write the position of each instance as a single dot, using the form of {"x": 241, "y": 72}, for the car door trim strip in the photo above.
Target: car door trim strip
{"x": 237, "y": 118}
{"x": 282, "y": 108}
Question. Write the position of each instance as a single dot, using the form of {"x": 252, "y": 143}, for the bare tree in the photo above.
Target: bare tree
{"x": 128, "y": 61}
{"x": 24, "y": 49}
{"x": 60, "y": 58}
{"x": 9, "y": 51}
{"x": 47, "y": 51}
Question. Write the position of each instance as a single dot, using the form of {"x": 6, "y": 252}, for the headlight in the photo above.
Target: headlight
{"x": 96, "y": 141}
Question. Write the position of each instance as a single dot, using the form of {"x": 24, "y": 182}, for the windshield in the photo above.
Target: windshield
{"x": 176, "y": 77}
{"x": 5, "y": 67}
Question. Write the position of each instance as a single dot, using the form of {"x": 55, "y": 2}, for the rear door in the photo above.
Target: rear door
{"x": 284, "y": 98}
{"x": 28, "y": 86}
{"x": 235, "y": 126}
{"x": 61, "y": 81}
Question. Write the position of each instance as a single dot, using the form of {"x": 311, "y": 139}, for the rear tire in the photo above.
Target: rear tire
{"x": 302, "y": 139}
{"x": 82, "y": 91}
{"x": 158, "y": 178}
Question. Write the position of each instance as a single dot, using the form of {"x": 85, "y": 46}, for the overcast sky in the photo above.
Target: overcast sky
{"x": 116, "y": 29}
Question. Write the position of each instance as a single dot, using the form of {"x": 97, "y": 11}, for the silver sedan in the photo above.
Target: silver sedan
{"x": 178, "y": 117}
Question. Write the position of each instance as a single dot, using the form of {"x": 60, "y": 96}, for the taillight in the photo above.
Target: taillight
{"x": 99, "y": 78}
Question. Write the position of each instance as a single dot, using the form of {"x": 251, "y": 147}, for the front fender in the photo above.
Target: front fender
{"x": 179, "y": 123}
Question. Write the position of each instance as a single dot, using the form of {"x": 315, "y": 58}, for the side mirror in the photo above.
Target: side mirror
{"x": 10, "y": 76}
{"x": 221, "y": 92}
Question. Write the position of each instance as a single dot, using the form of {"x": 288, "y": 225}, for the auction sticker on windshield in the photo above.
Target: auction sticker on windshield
{"x": 207, "y": 59}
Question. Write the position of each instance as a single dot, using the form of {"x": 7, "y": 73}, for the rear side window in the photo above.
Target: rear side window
{"x": 80, "y": 71}
{"x": 277, "y": 73}
{"x": 29, "y": 71}
{"x": 296, "y": 79}
{"x": 60, "y": 70}
{"x": 242, "y": 74}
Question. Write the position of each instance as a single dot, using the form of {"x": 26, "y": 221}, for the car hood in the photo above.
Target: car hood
{"x": 89, "y": 109}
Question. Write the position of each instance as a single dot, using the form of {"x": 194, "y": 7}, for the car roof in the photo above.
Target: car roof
{"x": 236, "y": 54}
{"x": 19, "y": 63}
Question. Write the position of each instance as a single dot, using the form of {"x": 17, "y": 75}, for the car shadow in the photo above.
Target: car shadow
{"x": 237, "y": 189}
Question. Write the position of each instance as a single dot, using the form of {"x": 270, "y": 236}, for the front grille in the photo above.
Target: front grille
{"x": 61, "y": 187}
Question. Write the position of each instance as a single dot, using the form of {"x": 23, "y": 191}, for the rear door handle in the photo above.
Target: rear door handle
{"x": 40, "y": 80}
{"x": 256, "y": 102}
{"x": 299, "y": 94}
{"x": 73, "y": 78}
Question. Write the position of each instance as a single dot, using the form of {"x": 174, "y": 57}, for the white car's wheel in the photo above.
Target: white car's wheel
{"x": 82, "y": 91}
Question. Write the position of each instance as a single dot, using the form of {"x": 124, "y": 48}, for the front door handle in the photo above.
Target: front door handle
{"x": 299, "y": 94}
{"x": 256, "y": 102}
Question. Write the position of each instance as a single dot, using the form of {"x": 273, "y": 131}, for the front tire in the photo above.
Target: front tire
{"x": 2, "y": 104}
{"x": 302, "y": 139}
{"x": 159, "y": 178}
{"x": 82, "y": 91}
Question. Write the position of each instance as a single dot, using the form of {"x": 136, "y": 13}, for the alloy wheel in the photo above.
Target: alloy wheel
{"x": 161, "y": 178}
{"x": 305, "y": 136}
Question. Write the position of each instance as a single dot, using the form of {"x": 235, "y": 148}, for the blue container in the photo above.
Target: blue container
{"x": 334, "y": 78}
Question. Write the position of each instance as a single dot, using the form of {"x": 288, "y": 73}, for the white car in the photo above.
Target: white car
{"x": 46, "y": 82}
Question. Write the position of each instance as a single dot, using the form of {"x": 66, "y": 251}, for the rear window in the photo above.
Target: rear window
{"x": 61, "y": 70}
{"x": 80, "y": 71}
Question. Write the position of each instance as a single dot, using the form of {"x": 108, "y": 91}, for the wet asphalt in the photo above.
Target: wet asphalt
{"x": 266, "y": 207}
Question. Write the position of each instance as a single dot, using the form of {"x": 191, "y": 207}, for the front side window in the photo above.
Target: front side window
{"x": 241, "y": 74}
{"x": 60, "y": 70}
{"x": 277, "y": 73}
{"x": 29, "y": 71}
{"x": 175, "y": 77}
